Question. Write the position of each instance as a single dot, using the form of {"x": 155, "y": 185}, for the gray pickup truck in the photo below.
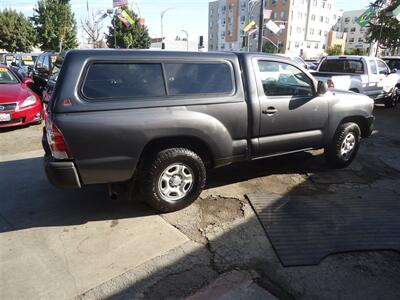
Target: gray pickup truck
{"x": 161, "y": 119}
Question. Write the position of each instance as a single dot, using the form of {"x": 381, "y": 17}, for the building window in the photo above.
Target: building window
{"x": 323, "y": 4}
{"x": 308, "y": 45}
{"x": 321, "y": 19}
{"x": 297, "y": 44}
{"x": 284, "y": 2}
{"x": 327, "y": 20}
{"x": 351, "y": 40}
{"x": 320, "y": 32}
{"x": 315, "y": 3}
{"x": 312, "y": 31}
{"x": 313, "y": 17}
{"x": 345, "y": 29}
{"x": 347, "y": 20}
{"x": 273, "y": 2}
{"x": 326, "y": 33}
{"x": 283, "y": 15}
{"x": 298, "y": 29}
{"x": 211, "y": 12}
{"x": 360, "y": 40}
{"x": 316, "y": 46}
{"x": 353, "y": 29}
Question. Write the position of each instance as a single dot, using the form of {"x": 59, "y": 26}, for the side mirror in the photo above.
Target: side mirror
{"x": 28, "y": 80}
{"x": 322, "y": 88}
{"x": 394, "y": 71}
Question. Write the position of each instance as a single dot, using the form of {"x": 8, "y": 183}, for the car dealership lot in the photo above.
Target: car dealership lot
{"x": 62, "y": 243}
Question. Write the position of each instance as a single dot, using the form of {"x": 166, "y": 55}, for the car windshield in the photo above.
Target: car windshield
{"x": 393, "y": 63}
{"x": 6, "y": 76}
{"x": 28, "y": 60}
{"x": 348, "y": 66}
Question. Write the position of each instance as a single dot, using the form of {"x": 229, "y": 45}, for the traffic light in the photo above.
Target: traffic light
{"x": 201, "y": 42}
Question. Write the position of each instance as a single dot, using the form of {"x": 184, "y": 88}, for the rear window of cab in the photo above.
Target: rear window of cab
{"x": 115, "y": 81}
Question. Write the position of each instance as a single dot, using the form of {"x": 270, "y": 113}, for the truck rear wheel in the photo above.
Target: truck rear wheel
{"x": 344, "y": 147}
{"x": 174, "y": 179}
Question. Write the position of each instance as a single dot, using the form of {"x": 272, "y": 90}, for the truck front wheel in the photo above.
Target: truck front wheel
{"x": 174, "y": 179}
{"x": 344, "y": 147}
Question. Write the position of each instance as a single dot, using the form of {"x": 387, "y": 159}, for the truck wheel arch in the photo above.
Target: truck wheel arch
{"x": 360, "y": 121}
{"x": 200, "y": 147}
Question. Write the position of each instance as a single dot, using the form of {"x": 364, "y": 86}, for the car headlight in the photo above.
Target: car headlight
{"x": 29, "y": 101}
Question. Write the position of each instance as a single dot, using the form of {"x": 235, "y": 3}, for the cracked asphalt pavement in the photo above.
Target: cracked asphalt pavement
{"x": 79, "y": 244}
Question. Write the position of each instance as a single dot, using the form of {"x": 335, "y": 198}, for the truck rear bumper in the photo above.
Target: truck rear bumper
{"x": 62, "y": 174}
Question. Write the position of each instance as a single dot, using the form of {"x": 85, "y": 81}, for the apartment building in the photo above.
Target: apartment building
{"x": 355, "y": 34}
{"x": 305, "y": 26}
{"x": 227, "y": 19}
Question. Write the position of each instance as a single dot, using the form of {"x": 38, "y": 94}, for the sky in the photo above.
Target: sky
{"x": 190, "y": 15}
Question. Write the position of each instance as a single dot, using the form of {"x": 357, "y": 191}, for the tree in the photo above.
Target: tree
{"x": 269, "y": 47}
{"x": 384, "y": 28}
{"x": 135, "y": 36}
{"x": 16, "y": 32}
{"x": 335, "y": 50}
{"x": 55, "y": 25}
{"x": 93, "y": 31}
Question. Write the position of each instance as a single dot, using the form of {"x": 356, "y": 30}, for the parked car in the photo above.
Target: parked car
{"x": 160, "y": 118}
{"x": 23, "y": 64}
{"x": 393, "y": 63}
{"x": 42, "y": 70}
{"x": 18, "y": 104}
{"x": 7, "y": 58}
{"x": 361, "y": 74}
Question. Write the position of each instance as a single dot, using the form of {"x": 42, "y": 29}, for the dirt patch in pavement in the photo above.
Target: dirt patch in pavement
{"x": 212, "y": 211}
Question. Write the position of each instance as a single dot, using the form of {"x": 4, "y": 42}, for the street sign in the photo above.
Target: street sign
{"x": 267, "y": 13}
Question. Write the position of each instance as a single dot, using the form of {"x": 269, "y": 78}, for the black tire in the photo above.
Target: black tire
{"x": 334, "y": 153}
{"x": 390, "y": 102}
{"x": 157, "y": 166}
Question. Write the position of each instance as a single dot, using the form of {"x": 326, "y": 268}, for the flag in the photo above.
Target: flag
{"x": 271, "y": 25}
{"x": 365, "y": 18}
{"x": 396, "y": 13}
{"x": 267, "y": 14}
{"x": 249, "y": 26}
{"x": 251, "y": 31}
{"x": 124, "y": 21}
{"x": 127, "y": 17}
{"x": 120, "y": 3}
{"x": 100, "y": 17}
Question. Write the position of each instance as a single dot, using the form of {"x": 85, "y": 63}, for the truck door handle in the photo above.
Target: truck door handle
{"x": 270, "y": 111}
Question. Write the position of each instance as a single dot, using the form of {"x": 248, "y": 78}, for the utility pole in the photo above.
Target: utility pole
{"x": 187, "y": 39}
{"x": 162, "y": 26}
{"x": 261, "y": 26}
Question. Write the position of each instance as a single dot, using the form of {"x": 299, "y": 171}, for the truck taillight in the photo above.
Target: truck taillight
{"x": 58, "y": 147}
{"x": 330, "y": 83}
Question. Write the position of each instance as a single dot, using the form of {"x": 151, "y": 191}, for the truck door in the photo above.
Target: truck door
{"x": 292, "y": 116}
{"x": 372, "y": 88}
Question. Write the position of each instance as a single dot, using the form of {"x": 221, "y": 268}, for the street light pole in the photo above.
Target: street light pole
{"x": 261, "y": 26}
{"x": 162, "y": 26}
{"x": 187, "y": 39}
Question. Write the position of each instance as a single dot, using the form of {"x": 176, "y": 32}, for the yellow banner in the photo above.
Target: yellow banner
{"x": 249, "y": 26}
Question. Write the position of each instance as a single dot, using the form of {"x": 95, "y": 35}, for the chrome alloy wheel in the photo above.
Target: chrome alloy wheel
{"x": 175, "y": 182}
{"x": 348, "y": 146}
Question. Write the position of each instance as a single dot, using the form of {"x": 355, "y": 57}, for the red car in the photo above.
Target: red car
{"x": 18, "y": 104}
